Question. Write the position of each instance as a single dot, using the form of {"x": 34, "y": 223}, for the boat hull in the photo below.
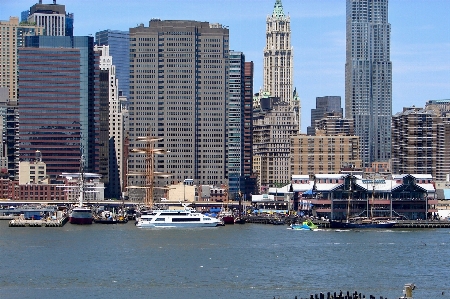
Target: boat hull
{"x": 348, "y": 225}
{"x": 176, "y": 218}
{"x": 106, "y": 221}
{"x": 111, "y": 220}
{"x": 300, "y": 227}
{"x": 77, "y": 220}
{"x": 306, "y": 225}
{"x": 239, "y": 221}
{"x": 81, "y": 216}
{"x": 182, "y": 225}
{"x": 228, "y": 219}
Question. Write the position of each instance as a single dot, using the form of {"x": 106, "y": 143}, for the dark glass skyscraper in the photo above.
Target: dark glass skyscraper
{"x": 119, "y": 49}
{"x": 368, "y": 77}
{"x": 324, "y": 105}
{"x": 58, "y": 113}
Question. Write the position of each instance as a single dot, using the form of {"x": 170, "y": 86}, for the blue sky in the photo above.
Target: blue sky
{"x": 420, "y": 38}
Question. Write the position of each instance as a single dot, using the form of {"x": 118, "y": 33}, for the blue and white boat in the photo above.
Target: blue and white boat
{"x": 176, "y": 218}
{"x": 305, "y": 225}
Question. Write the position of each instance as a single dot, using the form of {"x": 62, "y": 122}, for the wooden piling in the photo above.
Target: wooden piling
{"x": 340, "y": 295}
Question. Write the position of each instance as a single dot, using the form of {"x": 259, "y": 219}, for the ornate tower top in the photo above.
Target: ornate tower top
{"x": 278, "y": 10}
{"x": 278, "y": 56}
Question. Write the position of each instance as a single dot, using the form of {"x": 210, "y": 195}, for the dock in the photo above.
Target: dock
{"x": 38, "y": 223}
{"x": 402, "y": 224}
{"x": 270, "y": 219}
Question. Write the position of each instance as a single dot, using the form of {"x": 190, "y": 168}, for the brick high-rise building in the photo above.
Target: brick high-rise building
{"x": 413, "y": 148}
{"x": 421, "y": 140}
{"x": 333, "y": 147}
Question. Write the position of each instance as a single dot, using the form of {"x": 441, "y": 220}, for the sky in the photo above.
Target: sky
{"x": 420, "y": 39}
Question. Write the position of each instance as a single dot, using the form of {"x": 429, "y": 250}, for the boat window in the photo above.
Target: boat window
{"x": 171, "y": 214}
{"x": 206, "y": 218}
{"x": 185, "y": 219}
{"x": 159, "y": 219}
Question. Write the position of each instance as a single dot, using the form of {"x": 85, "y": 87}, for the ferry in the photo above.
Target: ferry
{"x": 176, "y": 218}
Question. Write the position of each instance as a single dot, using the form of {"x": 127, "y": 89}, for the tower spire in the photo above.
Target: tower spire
{"x": 278, "y": 10}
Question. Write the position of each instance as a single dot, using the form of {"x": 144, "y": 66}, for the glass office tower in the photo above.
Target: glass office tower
{"x": 119, "y": 49}
{"x": 58, "y": 113}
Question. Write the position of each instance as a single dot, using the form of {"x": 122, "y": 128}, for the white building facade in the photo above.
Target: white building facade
{"x": 116, "y": 123}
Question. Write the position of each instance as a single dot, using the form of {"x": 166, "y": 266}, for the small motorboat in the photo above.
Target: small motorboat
{"x": 305, "y": 225}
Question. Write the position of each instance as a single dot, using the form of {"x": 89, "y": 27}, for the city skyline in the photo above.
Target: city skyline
{"x": 419, "y": 48}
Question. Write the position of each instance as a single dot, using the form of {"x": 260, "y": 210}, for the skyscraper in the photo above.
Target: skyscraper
{"x": 57, "y": 108}
{"x": 421, "y": 140}
{"x": 239, "y": 125}
{"x": 178, "y": 92}
{"x": 414, "y": 141}
{"x": 108, "y": 88}
{"x": 276, "y": 115}
{"x": 119, "y": 48}
{"x": 273, "y": 126}
{"x": 12, "y": 36}
{"x": 235, "y": 130}
{"x": 278, "y": 55}
{"x": 368, "y": 77}
{"x": 324, "y": 105}
{"x": 249, "y": 177}
{"x": 52, "y": 17}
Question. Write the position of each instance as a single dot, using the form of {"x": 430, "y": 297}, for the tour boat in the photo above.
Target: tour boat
{"x": 176, "y": 218}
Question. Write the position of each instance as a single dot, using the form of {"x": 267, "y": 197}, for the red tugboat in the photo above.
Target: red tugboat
{"x": 226, "y": 216}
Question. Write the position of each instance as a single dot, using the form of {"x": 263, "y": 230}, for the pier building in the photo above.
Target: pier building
{"x": 336, "y": 196}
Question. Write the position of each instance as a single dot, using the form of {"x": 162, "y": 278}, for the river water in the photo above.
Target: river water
{"x": 235, "y": 261}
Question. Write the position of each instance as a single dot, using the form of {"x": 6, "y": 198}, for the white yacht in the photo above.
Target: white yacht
{"x": 176, "y": 218}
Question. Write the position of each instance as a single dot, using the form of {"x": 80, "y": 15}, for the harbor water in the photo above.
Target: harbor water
{"x": 234, "y": 261}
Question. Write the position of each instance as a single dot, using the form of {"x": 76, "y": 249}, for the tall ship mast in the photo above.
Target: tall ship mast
{"x": 149, "y": 150}
{"x": 80, "y": 213}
